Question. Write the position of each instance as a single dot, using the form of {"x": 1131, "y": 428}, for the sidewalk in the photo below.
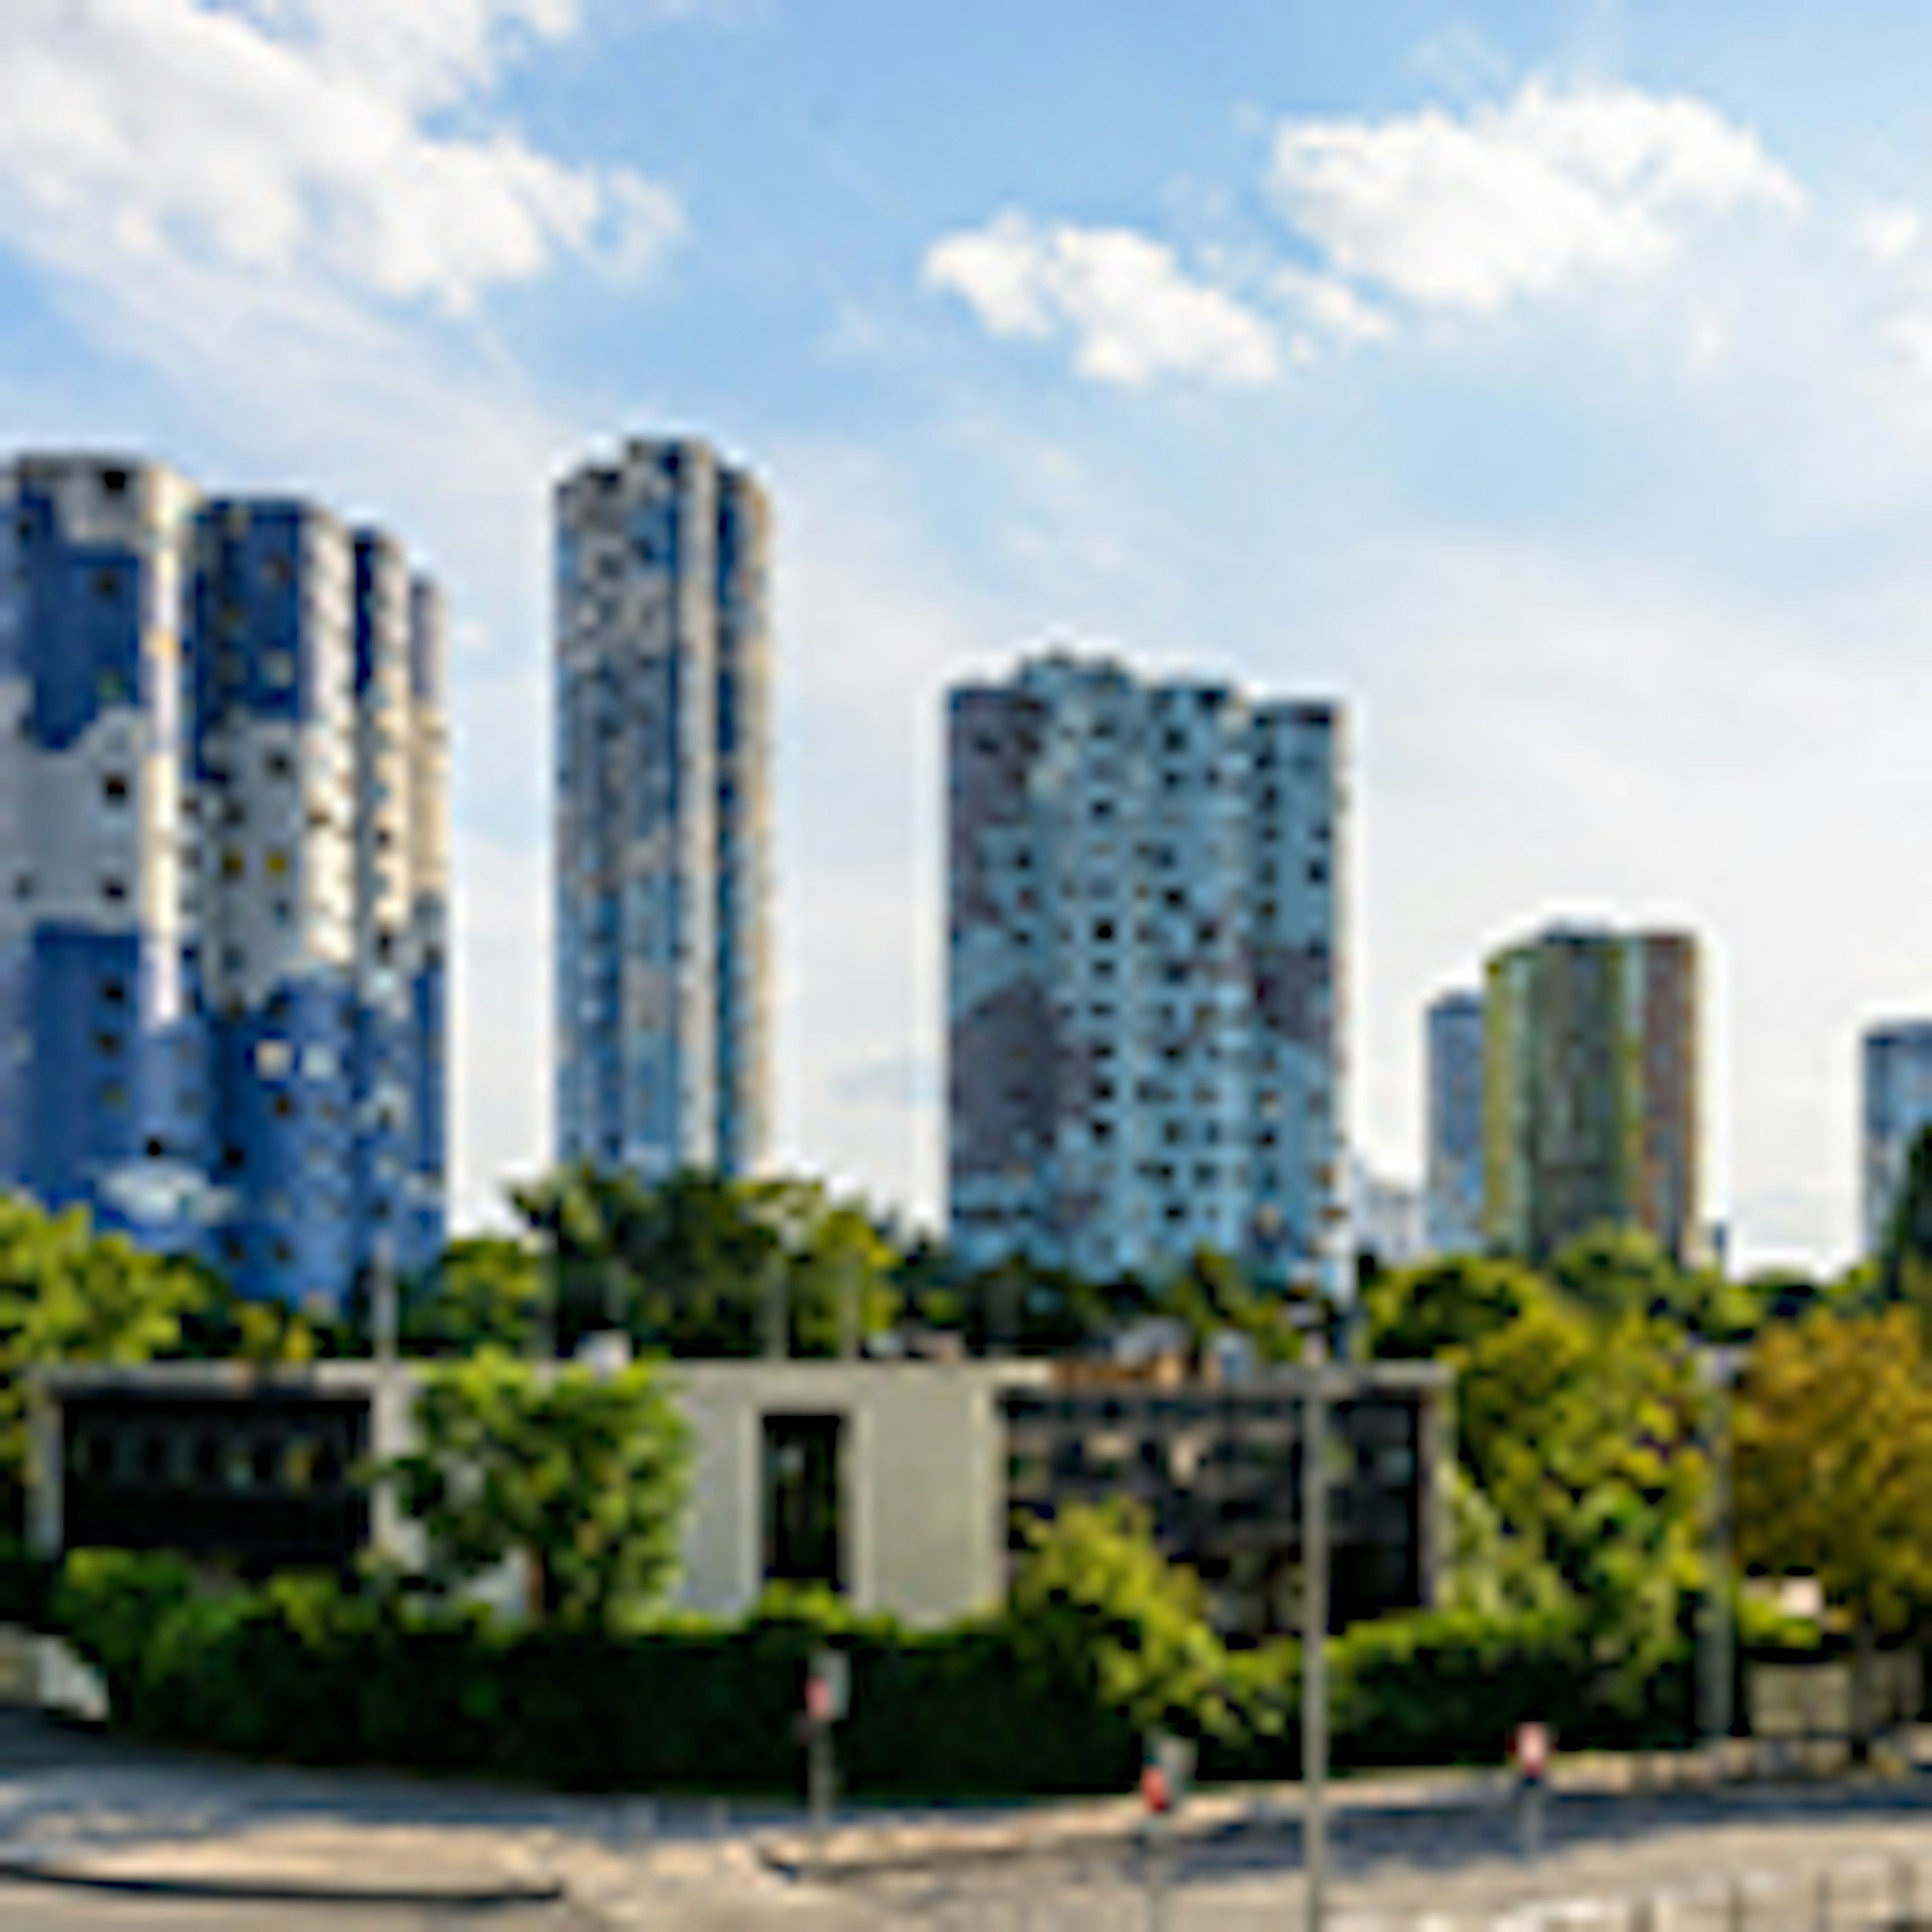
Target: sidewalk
{"x": 87, "y": 1809}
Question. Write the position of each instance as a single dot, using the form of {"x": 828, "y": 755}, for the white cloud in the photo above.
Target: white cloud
{"x": 1887, "y": 236}
{"x": 291, "y": 141}
{"x": 1554, "y": 186}
{"x": 1133, "y": 313}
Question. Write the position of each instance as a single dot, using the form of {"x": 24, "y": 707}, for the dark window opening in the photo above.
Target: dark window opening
{"x": 803, "y": 1526}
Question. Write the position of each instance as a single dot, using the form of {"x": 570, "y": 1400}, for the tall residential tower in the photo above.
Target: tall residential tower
{"x": 222, "y": 948}
{"x": 663, "y": 833}
{"x": 1453, "y": 1181}
{"x": 1146, "y": 976}
{"x": 1590, "y": 1089}
{"x": 1898, "y": 1098}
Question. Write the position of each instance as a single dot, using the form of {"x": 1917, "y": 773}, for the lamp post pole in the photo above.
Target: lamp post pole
{"x": 1314, "y": 1632}
{"x": 1719, "y": 1366}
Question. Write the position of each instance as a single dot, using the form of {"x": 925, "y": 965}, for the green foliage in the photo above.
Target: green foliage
{"x": 1099, "y": 1615}
{"x": 1833, "y": 1436}
{"x": 110, "y": 1604}
{"x": 218, "y": 1324}
{"x": 69, "y": 1295}
{"x": 26, "y": 1583}
{"x": 581, "y": 1476}
{"x": 1583, "y": 1435}
{"x": 1494, "y": 1572}
{"x": 1418, "y": 1313}
{"x": 486, "y": 1292}
{"x": 1618, "y": 1273}
{"x": 1451, "y": 1685}
{"x": 692, "y": 1266}
{"x": 1211, "y": 1294}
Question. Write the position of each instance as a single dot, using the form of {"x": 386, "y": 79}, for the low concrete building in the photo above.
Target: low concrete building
{"x": 907, "y": 1486}
{"x": 886, "y": 1481}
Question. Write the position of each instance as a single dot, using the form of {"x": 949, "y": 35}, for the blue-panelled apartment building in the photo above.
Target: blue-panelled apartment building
{"x": 663, "y": 838}
{"x": 222, "y": 862}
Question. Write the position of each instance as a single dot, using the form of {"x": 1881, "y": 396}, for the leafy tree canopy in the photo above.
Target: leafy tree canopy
{"x": 69, "y": 1294}
{"x": 697, "y": 1265}
{"x": 1417, "y": 1313}
{"x": 1584, "y": 1435}
{"x": 486, "y": 1292}
{"x": 1619, "y": 1271}
{"x": 582, "y": 1476}
{"x": 1833, "y": 1436}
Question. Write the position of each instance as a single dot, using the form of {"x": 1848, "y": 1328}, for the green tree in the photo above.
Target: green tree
{"x": 1418, "y": 1313}
{"x": 487, "y": 1292}
{"x": 581, "y": 1476}
{"x": 1210, "y": 1293}
{"x": 1616, "y": 1271}
{"x": 1833, "y": 1429}
{"x": 220, "y": 1325}
{"x": 692, "y": 1266}
{"x": 68, "y": 1294}
{"x": 1098, "y": 1611}
{"x": 1584, "y": 1434}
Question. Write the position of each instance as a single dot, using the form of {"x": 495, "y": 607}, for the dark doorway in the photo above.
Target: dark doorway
{"x": 803, "y": 1486}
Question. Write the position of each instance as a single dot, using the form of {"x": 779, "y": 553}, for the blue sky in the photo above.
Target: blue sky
{"x": 1551, "y": 383}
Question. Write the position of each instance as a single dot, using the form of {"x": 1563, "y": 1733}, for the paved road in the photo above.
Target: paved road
{"x": 1747, "y": 1861}
{"x": 33, "y": 1908}
{"x": 1400, "y": 1867}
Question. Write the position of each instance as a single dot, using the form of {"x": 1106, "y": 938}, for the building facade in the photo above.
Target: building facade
{"x": 663, "y": 831}
{"x": 908, "y": 1488}
{"x": 1590, "y": 1089}
{"x": 222, "y": 949}
{"x": 1454, "y": 1173}
{"x": 1897, "y": 1105}
{"x": 1146, "y": 974}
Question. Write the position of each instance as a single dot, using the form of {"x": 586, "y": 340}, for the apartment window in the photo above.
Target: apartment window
{"x": 114, "y": 1096}
{"x": 108, "y": 1045}
{"x": 232, "y": 864}
{"x": 114, "y": 890}
{"x": 114, "y": 788}
{"x": 114, "y": 482}
{"x": 114, "y": 992}
{"x": 276, "y": 863}
{"x": 279, "y": 765}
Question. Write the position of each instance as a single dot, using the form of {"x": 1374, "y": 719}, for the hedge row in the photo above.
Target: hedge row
{"x": 302, "y": 1670}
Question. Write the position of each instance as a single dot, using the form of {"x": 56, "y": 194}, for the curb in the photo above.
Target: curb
{"x": 15, "y": 1870}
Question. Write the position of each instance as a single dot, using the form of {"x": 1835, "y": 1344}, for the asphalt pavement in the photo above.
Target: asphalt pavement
{"x": 353, "y": 1850}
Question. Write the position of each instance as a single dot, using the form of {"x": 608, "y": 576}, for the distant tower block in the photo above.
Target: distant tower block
{"x": 217, "y": 898}
{"x": 1590, "y": 1089}
{"x": 663, "y": 805}
{"x": 1146, "y": 978}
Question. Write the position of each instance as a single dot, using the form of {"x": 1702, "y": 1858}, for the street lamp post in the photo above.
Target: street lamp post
{"x": 1314, "y": 1631}
{"x": 1719, "y": 1368}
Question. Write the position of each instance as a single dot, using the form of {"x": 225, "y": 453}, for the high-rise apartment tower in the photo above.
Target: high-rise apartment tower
{"x": 663, "y": 832}
{"x": 1146, "y": 975}
{"x": 222, "y": 946}
{"x": 1590, "y": 1090}
{"x": 1454, "y": 1185}
{"x": 1897, "y": 1069}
